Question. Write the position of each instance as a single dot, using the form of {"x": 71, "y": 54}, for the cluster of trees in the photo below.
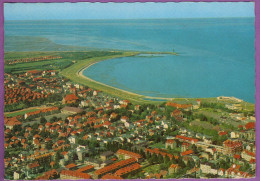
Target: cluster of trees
{"x": 203, "y": 117}
{"x": 220, "y": 106}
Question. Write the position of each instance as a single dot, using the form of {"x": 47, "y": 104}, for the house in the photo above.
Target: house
{"x": 189, "y": 152}
{"x": 126, "y": 124}
{"x": 221, "y": 172}
{"x": 177, "y": 114}
{"x": 252, "y": 163}
{"x": 32, "y": 168}
{"x": 127, "y": 154}
{"x": 106, "y": 155}
{"x": 113, "y": 167}
{"x": 11, "y": 122}
{"x": 85, "y": 169}
{"x": 236, "y": 106}
{"x": 193, "y": 170}
{"x": 186, "y": 107}
{"x": 124, "y": 119}
{"x": 71, "y": 166}
{"x": 123, "y": 172}
{"x": 248, "y": 155}
{"x": 49, "y": 175}
{"x": 16, "y": 175}
{"x": 124, "y": 102}
{"x": 110, "y": 176}
{"x": 73, "y": 175}
{"x": 84, "y": 103}
{"x": 206, "y": 169}
{"x": 185, "y": 146}
{"x": 250, "y": 125}
{"x": 137, "y": 107}
{"x": 72, "y": 139}
{"x": 173, "y": 169}
{"x": 222, "y": 133}
{"x": 205, "y": 155}
{"x": 69, "y": 99}
{"x": 170, "y": 143}
{"x": 33, "y": 72}
{"x": 187, "y": 139}
{"x": 234, "y": 135}
{"x": 232, "y": 147}
{"x": 95, "y": 162}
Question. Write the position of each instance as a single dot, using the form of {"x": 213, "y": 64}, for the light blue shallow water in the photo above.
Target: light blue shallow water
{"x": 216, "y": 55}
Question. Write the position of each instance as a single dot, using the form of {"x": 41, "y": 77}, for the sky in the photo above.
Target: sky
{"x": 49, "y": 11}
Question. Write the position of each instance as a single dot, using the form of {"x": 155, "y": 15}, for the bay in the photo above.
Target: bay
{"x": 216, "y": 56}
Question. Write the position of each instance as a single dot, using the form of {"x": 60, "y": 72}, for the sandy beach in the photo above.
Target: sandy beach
{"x": 80, "y": 74}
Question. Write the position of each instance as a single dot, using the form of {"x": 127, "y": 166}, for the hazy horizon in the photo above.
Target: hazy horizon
{"x": 121, "y": 11}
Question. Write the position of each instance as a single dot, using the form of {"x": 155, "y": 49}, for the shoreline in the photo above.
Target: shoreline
{"x": 75, "y": 74}
{"x": 80, "y": 74}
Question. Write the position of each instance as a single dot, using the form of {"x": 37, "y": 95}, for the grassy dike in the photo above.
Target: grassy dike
{"x": 73, "y": 73}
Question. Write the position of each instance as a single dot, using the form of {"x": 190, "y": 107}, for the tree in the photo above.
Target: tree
{"x": 153, "y": 159}
{"x": 195, "y": 149}
{"x": 43, "y": 120}
{"x": 190, "y": 164}
{"x": 166, "y": 159}
{"x": 160, "y": 159}
{"x": 66, "y": 121}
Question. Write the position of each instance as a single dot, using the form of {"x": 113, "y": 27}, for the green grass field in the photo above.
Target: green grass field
{"x": 158, "y": 145}
{"x": 18, "y": 113}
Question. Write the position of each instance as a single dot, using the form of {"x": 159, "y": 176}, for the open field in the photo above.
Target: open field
{"x": 18, "y": 113}
{"x": 158, "y": 145}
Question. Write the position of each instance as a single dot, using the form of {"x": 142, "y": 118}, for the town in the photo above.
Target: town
{"x": 59, "y": 129}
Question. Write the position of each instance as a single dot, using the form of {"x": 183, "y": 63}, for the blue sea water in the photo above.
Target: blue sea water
{"x": 216, "y": 56}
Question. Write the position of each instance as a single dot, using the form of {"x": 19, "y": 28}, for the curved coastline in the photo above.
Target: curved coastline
{"x": 80, "y": 73}
{"x": 75, "y": 74}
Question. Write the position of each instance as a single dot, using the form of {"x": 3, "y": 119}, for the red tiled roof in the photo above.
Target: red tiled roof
{"x": 222, "y": 133}
{"x": 33, "y": 72}
{"x": 83, "y": 169}
{"x": 115, "y": 166}
{"x": 75, "y": 174}
{"x": 12, "y": 121}
{"x": 170, "y": 141}
{"x": 232, "y": 144}
{"x": 250, "y": 125}
{"x": 128, "y": 169}
{"x": 174, "y": 166}
{"x": 249, "y": 153}
{"x": 176, "y": 112}
{"x": 51, "y": 172}
{"x": 184, "y": 138}
{"x": 110, "y": 176}
{"x": 186, "y": 152}
{"x": 72, "y": 165}
{"x": 129, "y": 153}
{"x": 183, "y": 106}
{"x": 237, "y": 156}
{"x": 71, "y": 97}
{"x": 252, "y": 161}
{"x": 33, "y": 165}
